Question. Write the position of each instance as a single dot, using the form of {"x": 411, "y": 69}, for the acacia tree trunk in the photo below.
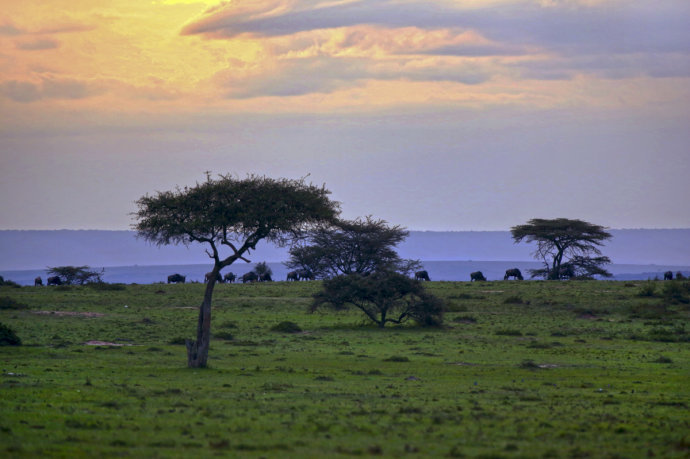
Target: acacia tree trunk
{"x": 555, "y": 273}
{"x": 197, "y": 351}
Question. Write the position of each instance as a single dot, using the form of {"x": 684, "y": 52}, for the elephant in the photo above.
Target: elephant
{"x": 229, "y": 278}
{"x": 54, "y": 280}
{"x": 477, "y": 276}
{"x": 265, "y": 277}
{"x": 208, "y": 276}
{"x": 668, "y": 275}
{"x": 292, "y": 276}
{"x": 514, "y": 272}
{"x": 679, "y": 275}
{"x": 421, "y": 275}
{"x": 249, "y": 277}
{"x": 305, "y": 274}
{"x": 176, "y": 279}
{"x": 38, "y": 281}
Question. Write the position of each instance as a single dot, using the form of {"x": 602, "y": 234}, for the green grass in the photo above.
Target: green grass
{"x": 576, "y": 369}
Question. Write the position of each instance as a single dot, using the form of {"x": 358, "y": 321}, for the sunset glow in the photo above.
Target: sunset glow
{"x": 168, "y": 64}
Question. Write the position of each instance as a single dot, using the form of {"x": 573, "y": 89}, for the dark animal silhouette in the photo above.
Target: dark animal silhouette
{"x": 38, "y": 281}
{"x": 514, "y": 272}
{"x": 249, "y": 277}
{"x": 54, "y": 280}
{"x": 207, "y": 277}
{"x": 421, "y": 275}
{"x": 229, "y": 277}
{"x": 668, "y": 275}
{"x": 477, "y": 276}
{"x": 305, "y": 274}
{"x": 176, "y": 279}
{"x": 292, "y": 276}
{"x": 265, "y": 277}
{"x": 567, "y": 271}
{"x": 680, "y": 276}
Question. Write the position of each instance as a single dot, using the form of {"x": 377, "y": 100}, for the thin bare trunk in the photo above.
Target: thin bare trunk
{"x": 197, "y": 351}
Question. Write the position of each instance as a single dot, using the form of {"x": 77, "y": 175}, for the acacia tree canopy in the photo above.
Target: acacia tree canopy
{"x": 383, "y": 296}
{"x": 364, "y": 245}
{"x": 566, "y": 246}
{"x": 230, "y": 216}
{"x": 76, "y": 274}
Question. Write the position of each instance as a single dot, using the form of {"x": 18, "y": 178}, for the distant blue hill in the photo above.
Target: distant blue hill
{"x": 39, "y": 249}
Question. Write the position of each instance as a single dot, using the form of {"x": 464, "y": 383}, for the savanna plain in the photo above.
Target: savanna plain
{"x": 519, "y": 369}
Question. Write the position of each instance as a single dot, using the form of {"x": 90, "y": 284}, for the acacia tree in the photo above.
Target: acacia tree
{"x": 230, "y": 215}
{"x": 360, "y": 246}
{"x": 76, "y": 274}
{"x": 383, "y": 296}
{"x": 566, "y": 246}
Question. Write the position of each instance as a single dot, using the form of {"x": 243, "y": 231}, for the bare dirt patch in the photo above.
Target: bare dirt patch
{"x": 104, "y": 343}
{"x": 70, "y": 313}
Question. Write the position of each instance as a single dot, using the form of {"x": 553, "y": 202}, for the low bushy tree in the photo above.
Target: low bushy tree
{"x": 384, "y": 297}
{"x": 70, "y": 275}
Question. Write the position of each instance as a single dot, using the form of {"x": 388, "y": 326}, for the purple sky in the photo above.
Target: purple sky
{"x": 435, "y": 115}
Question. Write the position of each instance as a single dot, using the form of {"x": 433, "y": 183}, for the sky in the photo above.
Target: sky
{"x": 433, "y": 115}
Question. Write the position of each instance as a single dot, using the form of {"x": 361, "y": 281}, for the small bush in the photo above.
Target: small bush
{"x": 104, "y": 286}
{"x": 647, "y": 290}
{"x": 8, "y": 303}
{"x": 515, "y": 299}
{"x": 465, "y": 320}
{"x": 9, "y": 283}
{"x": 529, "y": 365}
{"x": 676, "y": 292}
{"x": 397, "y": 358}
{"x": 176, "y": 341}
{"x": 286, "y": 327}
{"x": 8, "y": 337}
{"x": 223, "y": 335}
{"x": 509, "y": 332}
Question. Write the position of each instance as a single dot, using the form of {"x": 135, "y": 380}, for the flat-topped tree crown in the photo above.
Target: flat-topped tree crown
{"x": 561, "y": 239}
{"x": 232, "y": 213}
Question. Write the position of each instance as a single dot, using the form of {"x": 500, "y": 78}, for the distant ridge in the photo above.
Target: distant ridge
{"x": 33, "y": 249}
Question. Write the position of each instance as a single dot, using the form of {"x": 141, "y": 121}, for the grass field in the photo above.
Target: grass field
{"x": 521, "y": 369}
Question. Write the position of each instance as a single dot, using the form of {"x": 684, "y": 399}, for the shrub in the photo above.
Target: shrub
{"x": 104, "y": 286}
{"x": 515, "y": 299}
{"x": 8, "y": 337}
{"x": 384, "y": 297}
{"x": 286, "y": 327}
{"x": 9, "y": 283}
{"x": 509, "y": 332}
{"x": 223, "y": 335}
{"x": 676, "y": 292}
{"x": 8, "y": 303}
{"x": 647, "y": 290}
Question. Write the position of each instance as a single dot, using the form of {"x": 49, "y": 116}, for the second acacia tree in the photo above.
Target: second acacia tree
{"x": 360, "y": 246}
{"x": 569, "y": 248}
